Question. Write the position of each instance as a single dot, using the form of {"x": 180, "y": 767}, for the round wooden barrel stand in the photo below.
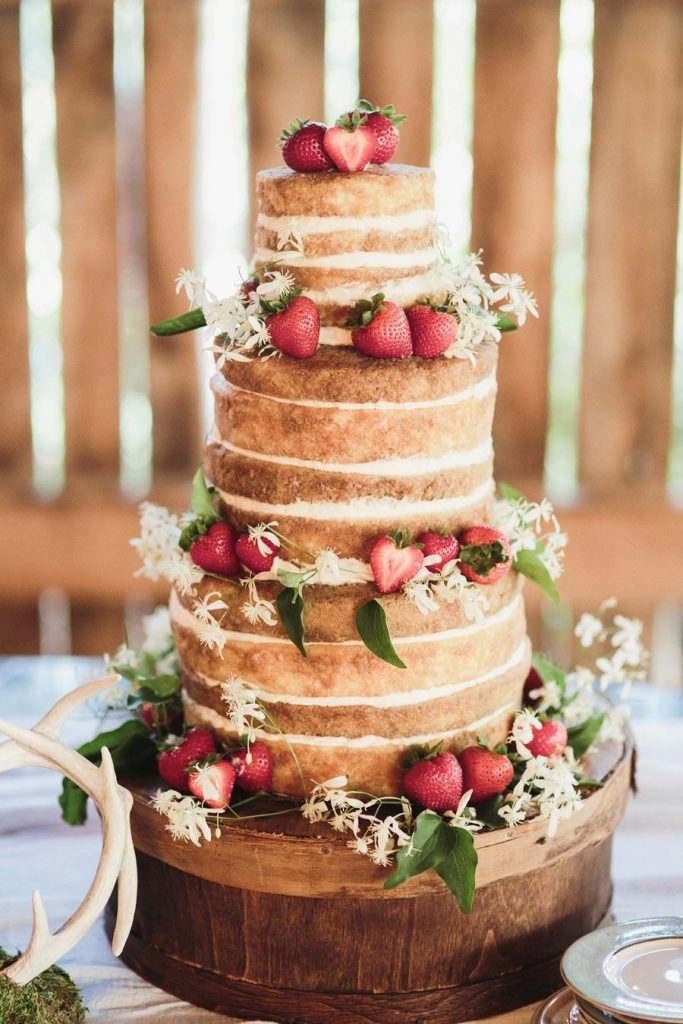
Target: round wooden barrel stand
{"x": 279, "y": 920}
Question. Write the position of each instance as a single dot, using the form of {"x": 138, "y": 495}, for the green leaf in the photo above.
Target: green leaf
{"x": 550, "y": 673}
{"x": 529, "y": 564}
{"x": 487, "y": 810}
{"x": 505, "y": 323}
{"x": 179, "y": 324}
{"x": 161, "y": 687}
{"x": 133, "y": 753}
{"x": 459, "y": 868}
{"x": 293, "y": 580}
{"x": 430, "y": 844}
{"x": 510, "y": 493}
{"x": 583, "y": 736}
{"x": 202, "y": 498}
{"x": 371, "y": 623}
{"x": 290, "y": 606}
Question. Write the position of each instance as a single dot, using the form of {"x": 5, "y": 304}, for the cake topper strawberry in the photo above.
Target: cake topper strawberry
{"x": 302, "y": 146}
{"x": 383, "y": 122}
{"x": 350, "y": 143}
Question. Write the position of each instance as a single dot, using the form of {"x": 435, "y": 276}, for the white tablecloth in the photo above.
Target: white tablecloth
{"x": 38, "y": 851}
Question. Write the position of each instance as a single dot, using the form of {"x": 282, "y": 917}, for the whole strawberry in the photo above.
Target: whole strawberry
{"x": 302, "y": 147}
{"x": 254, "y": 767}
{"x": 444, "y": 547}
{"x": 250, "y": 552}
{"x": 383, "y": 122}
{"x": 215, "y": 550}
{"x": 549, "y": 739}
{"x": 173, "y": 763}
{"x": 485, "y": 555}
{"x": 435, "y": 783}
{"x": 432, "y": 330}
{"x": 293, "y": 323}
{"x": 213, "y": 783}
{"x": 163, "y": 718}
{"x": 350, "y": 145}
{"x": 484, "y": 772}
{"x": 394, "y": 561}
{"x": 381, "y": 329}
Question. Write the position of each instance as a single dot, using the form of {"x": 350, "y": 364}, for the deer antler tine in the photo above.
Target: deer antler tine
{"x": 41, "y": 927}
{"x": 127, "y": 894}
{"x": 51, "y": 723}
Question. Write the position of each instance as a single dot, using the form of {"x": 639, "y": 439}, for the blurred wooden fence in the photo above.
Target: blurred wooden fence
{"x": 625, "y": 536}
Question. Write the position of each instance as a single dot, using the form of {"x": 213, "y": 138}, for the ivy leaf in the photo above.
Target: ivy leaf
{"x": 510, "y": 493}
{"x": 371, "y": 623}
{"x": 179, "y": 324}
{"x": 505, "y": 323}
{"x": 293, "y": 580}
{"x": 459, "y": 868}
{"x": 202, "y": 497}
{"x": 529, "y": 564}
{"x": 428, "y": 847}
{"x": 133, "y": 753}
{"x": 290, "y": 606}
{"x": 581, "y": 737}
{"x": 550, "y": 673}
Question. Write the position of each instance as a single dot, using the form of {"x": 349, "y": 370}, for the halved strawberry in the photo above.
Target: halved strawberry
{"x": 254, "y": 767}
{"x": 432, "y": 330}
{"x": 213, "y": 783}
{"x": 173, "y": 763}
{"x": 381, "y": 329}
{"x": 293, "y": 323}
{"x": 249, "y": 554}
{"x": 446, "y": 547}
{"x": 394, "y": 562}
{"x": 549, "y": 739}
{"x": 350, "y": 144}
{"x": 383, "y": 122}
{"x": 215, "y": 550}
{"x": 485, "y": 555}
{"x": 302, "y": 147}
{"x": 484, "y": 772}
{"x": 435, "y": 783}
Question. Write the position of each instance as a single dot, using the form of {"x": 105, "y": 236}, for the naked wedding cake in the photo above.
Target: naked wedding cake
{"x": 349, "y": 636}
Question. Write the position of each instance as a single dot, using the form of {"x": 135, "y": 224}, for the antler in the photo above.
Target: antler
{"x": 41, "y": 746}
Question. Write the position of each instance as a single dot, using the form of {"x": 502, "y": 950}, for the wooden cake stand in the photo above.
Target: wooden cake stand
{"x": 279, "y": 920}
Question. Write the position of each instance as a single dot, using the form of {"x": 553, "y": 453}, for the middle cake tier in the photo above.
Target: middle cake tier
{"x": 345, "y": 448}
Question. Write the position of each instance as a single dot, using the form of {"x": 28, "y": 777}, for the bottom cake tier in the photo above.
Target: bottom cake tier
{"x": 279, "y": 920}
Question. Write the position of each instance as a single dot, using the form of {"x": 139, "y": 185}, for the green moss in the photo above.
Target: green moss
{"x": 51, "y": 998}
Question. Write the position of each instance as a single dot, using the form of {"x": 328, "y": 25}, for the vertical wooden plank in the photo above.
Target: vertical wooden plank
{"x": 515, "y": 100}
{"x": 96, "y": 627}
{"x": 19, "y": 627}
{"x": 170, "y": 143}
{"x": 285, "y": 77}
{"x": 83, "y": 52}
{"x": 396, "y": 57}
{"x": 15, "y": 421}
{"x": 634, "y": 192}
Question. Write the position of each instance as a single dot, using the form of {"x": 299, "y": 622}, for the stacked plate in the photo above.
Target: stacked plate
{"x": 625, "y": 974}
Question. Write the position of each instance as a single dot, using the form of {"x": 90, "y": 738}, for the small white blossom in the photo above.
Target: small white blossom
{"x": 419, "y": 592}
{"x": 289, "y": 236}
{"x": 524, "y": 524}
{"x": 157, "y": 632}
{"x": 159, "y": 538}
{"x": 588, "y": 629}
{"x": 194, "y": 286}
{"x": 328, "y": 570}
{"x": 464, "y": 816}
{"x": 525, "y": 723}
{"x": 244, "y": 708}
{"x": 203, "y": 608}
{"x": 212, "y": 637}
{"x": 264, "y": 537}
{"x": 275, "y": 284}
{"x": 186, "y": 817}
{"x": 259, "y": 611}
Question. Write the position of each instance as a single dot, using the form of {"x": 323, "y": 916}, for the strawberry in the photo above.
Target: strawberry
{"x": 213, "y": 783}
{"x": 174, "y": 762}
{"x": 163, "y": 718}
{"x": 433, "y": 330}
{"x": 533, "y": 682}
{"x": 435, "y": 783}
{"x": 394, "y": 562}
{"x": 381, "y": 329}
{"x": 293, "y": 324}
{"x": 215, "y": 550}
{"x": 446, "y": 547}
{"x": 383, "y": 122}
{"x": 254, "y": 767}
{"x": 549, "y": 740}
{"x": 350, "y": 144}
{"x": 485, "y": 555}
{"x": 484, "y": 772}
{"x": 302, "y": 147}
{"x": 247, "y": 548}
{"x": 248, "y": 287}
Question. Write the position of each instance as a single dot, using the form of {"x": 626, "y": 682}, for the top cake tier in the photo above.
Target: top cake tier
{"x": 346, "y": 236}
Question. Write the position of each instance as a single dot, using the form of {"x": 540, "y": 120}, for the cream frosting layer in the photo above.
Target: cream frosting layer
{"x": 350, "y": 260}
{"x": 390, "y": 222}
{"x": 212, "y": 719}
{"x": 185, "y": 618}
{"x": 479, "y": 390}
{"x": 335, "y": 336}
{"x": 414, "y": 465}
{"x": 359, "y": 509}
{"x": 404, "y": 291}
{"x": 388, "y": 700}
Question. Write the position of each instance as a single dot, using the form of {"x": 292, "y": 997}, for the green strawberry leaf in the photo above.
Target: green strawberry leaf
{"x": 290, "y": 606}
{"x": 510, "y": 493}
{"x": 133, "y": 753}
{"x": 529, "y": 564}
{"x": 202, "y": 498}
{"x": 550, "y": 673}
{"x": 459, "y": 868}
{"x": 505, "y": 323}
{"x": 583, "y": 736}
{"x": 179, "y": 324}
{"x": 371, "y": 623}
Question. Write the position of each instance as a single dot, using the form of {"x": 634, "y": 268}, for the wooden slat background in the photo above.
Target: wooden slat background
{"x": 627, "y": 538}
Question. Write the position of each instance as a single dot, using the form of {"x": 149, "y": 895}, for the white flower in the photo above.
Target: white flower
{"x": 289, "y": 236}
{"x": 194, "y": 286}
{"x": 548, "y": 696}
{"x": 244, "y": 708}
{"x": 613, "y": 728}
{"x": 275, "y": 284}
{"x": 157, "y": 632}
{"x": 180, "y": 570}
{"x": 464, "y": 816}
{"x": 212, "y": 636}
{"x": 186, "y": 817}
{"x": 158, "y": 540}
{"x": 525, "y": 723}
{"x": 204, "y": 607}
{"x": 588, "y": 629}
{"x": 523, "y": 524}
{"x": 327, "y": 568}
{"x": 418, "y": 591}
{"x": 519, "y": 301}
{"x": 264, "y": 537}
{"x": 259, "y": 611}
